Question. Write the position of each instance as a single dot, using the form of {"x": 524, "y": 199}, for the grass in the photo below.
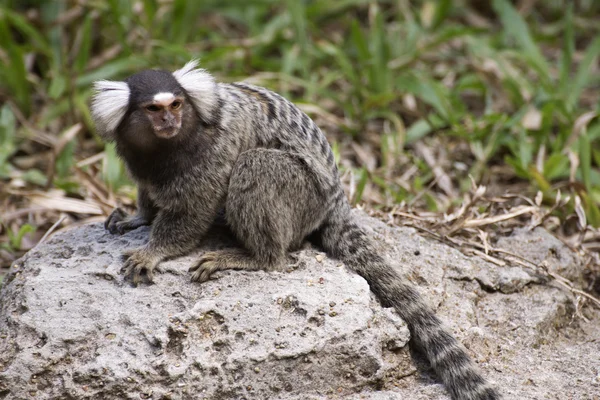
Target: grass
{"x": 418, "y": 98}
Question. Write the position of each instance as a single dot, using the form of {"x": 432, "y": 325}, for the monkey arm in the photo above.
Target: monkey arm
{"x": 119, "y": 222}
{"x": 175, "y": 231}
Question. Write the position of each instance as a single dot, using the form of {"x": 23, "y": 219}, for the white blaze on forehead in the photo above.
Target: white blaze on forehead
{"x": 164, "y": 97}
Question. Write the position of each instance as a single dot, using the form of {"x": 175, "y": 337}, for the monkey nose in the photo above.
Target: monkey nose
{"x": 169, "y": 117}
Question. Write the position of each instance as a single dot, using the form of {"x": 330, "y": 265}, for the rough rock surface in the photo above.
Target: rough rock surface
{"x": 71, "y": 328}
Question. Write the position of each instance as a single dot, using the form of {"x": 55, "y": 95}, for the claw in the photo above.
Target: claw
{"x": 113, "y": 219}
{"x": 128, "y": 252}
{"x": 138, "y": 261}
{"x": 137, "y": 271}
{"x": 205, "y": 267}
{"x": 119, "y": 222}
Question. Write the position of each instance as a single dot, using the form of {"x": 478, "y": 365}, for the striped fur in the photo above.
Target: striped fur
{"x": 345, "y": 240}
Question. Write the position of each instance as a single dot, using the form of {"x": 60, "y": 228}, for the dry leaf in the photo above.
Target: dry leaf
{"x": 581, "y": 122}
{"x": 580, "y": 213}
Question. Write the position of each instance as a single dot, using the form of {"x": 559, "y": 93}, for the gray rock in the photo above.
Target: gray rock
{"x": 71, "y": 327}
{"x": 539, "y": 246}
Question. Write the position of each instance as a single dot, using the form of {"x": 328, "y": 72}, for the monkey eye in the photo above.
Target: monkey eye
{"x": 176, "y": 105}
{"x": 153, "y": 108}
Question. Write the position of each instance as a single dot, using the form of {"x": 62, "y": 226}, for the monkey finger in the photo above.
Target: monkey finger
{"x": 198, "y": 264}
{"x": 205, "y": 276}
{"x": 196, "y": 276}
{"x": 137, "y": 273}
{"x": 121, "y": 227}
{"x": 126, "y": 268}
{"x": 150, "y": 274}
{"x": 197, "y": 267}
{"x": 131, "y": 269}
{"x": 108, "y": 221}
{"x": 203, "y": 271}
{"x": 129, "y": 266}
{"x": 209, "y": 256}
{"x": 206, "y": 257}
{"x": 130, "y": 224}
{"x": 111, "y": 227}
{"x": 197, "y": 270}
{"x": 114, "y": 217}
{"x": 128, "y": 252}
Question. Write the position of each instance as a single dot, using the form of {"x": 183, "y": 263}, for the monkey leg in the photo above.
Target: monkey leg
{"x": 273, "y": 203}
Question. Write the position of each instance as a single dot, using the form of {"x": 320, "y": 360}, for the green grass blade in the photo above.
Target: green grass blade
{"x": 36, "y": 38}
{"x": 431, "y": 92}
{"x": 379, "y": 71}
{"x": 112, "y": 70}
{"x": 7, "y": 138}
{"x": 359, "y": 41}
{"x": 584, "y": 75}
{"x": 17, "y": 238}
{"x": 360, "y": 187}
{"x": 567, "y": 53}
{"x": 13, "y": 74}
{"x": 585, "y": 160}
{"x": 516, "y": 27}
{"x": 442, "y": 10}
{"x": 83, "y": 55}
{"x": 113, "y": 171}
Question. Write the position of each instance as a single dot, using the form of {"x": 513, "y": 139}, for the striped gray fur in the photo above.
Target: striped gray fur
{"x": 249, "y": 151}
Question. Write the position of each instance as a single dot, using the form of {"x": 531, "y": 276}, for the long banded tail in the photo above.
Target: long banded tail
{"x": 449, "y": 359}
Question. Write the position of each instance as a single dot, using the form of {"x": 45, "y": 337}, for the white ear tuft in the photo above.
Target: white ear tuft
{"x": 201, "y": 87}
{"x": 109, "y": 106}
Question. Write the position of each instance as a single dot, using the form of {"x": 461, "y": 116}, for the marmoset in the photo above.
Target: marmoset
{"x": 195, "y": 147}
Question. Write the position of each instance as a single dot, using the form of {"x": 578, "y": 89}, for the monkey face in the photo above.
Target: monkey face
{"x": 165, "y": 114}
{"x": 154, "y": 105}
{"x": 149, "y": 124}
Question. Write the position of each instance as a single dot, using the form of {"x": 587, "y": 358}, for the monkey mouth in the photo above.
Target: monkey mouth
{"x": 166, "y": 133}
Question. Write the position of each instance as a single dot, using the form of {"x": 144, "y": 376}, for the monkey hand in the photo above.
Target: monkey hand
{"x": 138, "y": 261}
{"x": 119, "y": 222}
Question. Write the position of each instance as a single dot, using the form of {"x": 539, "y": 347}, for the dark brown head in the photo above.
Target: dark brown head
{"x": 156, "y": 101}
{"x": 154, "y": 105}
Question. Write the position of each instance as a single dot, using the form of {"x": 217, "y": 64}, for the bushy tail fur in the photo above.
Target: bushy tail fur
{"x": 349, "y": 243}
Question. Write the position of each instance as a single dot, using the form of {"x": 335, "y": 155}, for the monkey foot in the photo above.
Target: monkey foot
{"x": 213, "y": 261}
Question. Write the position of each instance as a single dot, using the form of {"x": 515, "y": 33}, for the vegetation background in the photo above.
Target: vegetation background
{"x": 465, "y": 118}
